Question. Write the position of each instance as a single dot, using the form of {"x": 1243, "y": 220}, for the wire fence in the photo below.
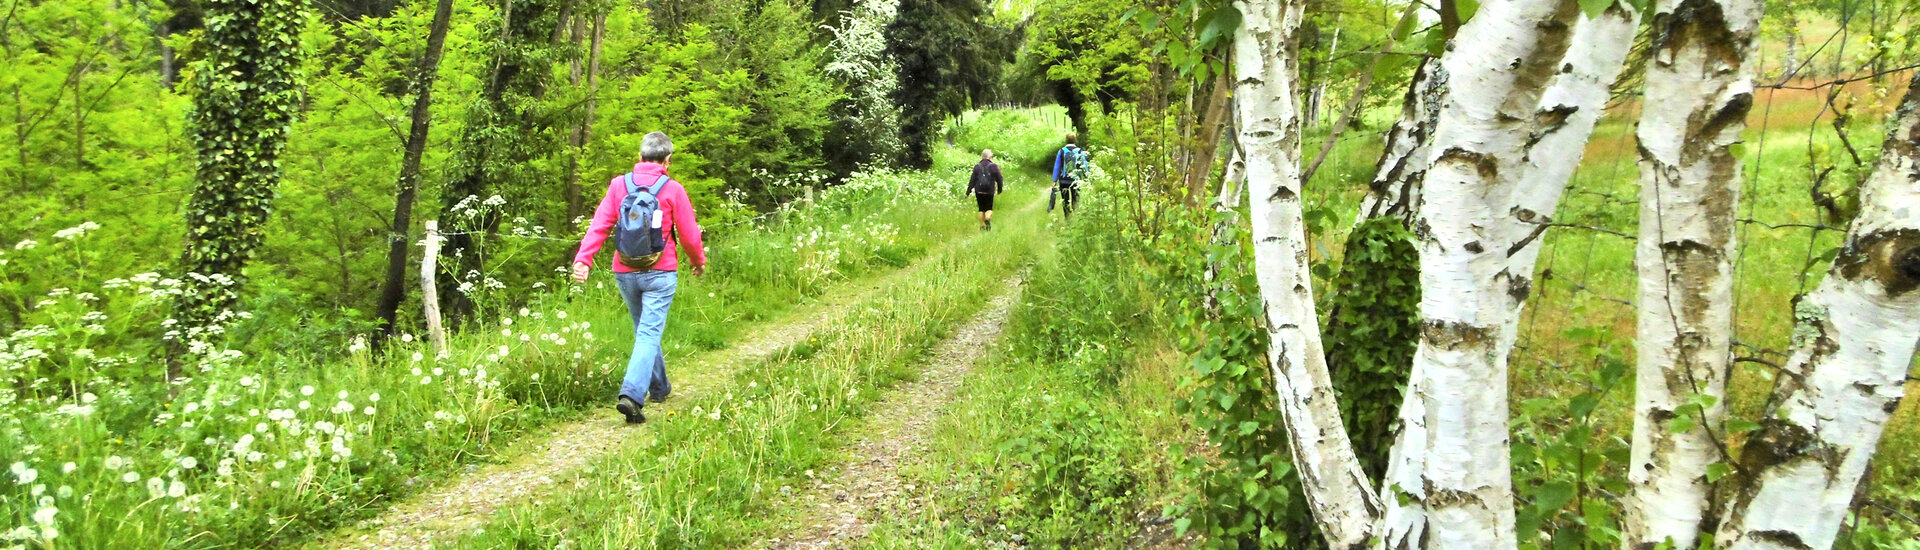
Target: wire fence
{"x": 1785, "y": 234}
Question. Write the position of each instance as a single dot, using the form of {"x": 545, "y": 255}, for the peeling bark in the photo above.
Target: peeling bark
{"x": 1266, "y": 61}
{"x": 1488, "y": 181}
{"x": 1395, "y": 189}
{"x": 1699, "y": 90}
{"x": 1854, "y": 339}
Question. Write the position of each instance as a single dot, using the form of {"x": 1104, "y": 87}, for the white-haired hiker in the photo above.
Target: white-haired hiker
{"x": 985, "y": 183}
{"x": 648, "y": 213}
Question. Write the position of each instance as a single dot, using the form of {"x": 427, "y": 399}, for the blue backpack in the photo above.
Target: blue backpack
{"x": 637, "y": 240}
{"x": 1074, "y": 163}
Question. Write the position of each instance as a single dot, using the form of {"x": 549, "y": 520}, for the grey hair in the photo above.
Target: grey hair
{"x": 656, "y": 147}
{"x": 986, "y": 154}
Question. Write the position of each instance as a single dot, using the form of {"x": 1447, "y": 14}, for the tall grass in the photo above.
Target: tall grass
{"x": 706, "y": 478}
{"x": 256, "y": 450}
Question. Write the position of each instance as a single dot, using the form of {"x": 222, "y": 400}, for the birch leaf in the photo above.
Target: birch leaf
{"x": 1553, "y": 496}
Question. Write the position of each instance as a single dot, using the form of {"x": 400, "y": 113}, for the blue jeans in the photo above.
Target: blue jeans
{"x": 648, "y": 295}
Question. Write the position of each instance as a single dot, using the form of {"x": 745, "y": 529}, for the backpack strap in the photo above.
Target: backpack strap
{"x": 631, "y": 188}
{"x": 658, "y": 184}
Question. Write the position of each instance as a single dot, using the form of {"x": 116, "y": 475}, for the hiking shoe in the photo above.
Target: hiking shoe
{"x": 662, "y": 398}
{"x": 631, "y": 410}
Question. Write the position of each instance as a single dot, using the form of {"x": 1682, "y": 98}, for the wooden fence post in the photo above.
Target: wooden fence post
{"x": 429, "y": 293}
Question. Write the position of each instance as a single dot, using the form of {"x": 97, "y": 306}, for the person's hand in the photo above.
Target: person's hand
{"x": 580, "y": 272}
{"x": 698, "y": 269}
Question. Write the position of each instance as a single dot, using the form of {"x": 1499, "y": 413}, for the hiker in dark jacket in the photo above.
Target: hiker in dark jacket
{"x": 985, "y": 183}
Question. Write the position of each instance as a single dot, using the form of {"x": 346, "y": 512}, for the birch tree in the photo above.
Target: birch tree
{"x": 1517, "y": 102}
{"x": 1519, "y": 105}
{"x": 1395, "y": 188}
{"x": 1699, "y": 89}
{"x": 1266, "y": 64}
{"x": 1854, "y": 338}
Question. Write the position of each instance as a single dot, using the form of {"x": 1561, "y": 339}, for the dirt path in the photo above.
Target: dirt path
{"x": 443, "y": 514}
{"x": 844, "y": 503}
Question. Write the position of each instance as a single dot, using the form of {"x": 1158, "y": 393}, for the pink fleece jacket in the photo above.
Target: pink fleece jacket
{"x": 678, "y": 221}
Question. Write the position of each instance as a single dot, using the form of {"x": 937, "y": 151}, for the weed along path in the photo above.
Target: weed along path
{"x": 841, "y": 504}
{"x": 442, "y": 515}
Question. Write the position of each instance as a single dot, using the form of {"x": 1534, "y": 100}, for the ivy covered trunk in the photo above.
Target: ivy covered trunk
{"x": 1373, "y": 313}
{"x": 1265, "y": 60}
{"x": 1449, "y": 483}
{"x": 1699, "y": 90}
{"x": 1853, "y": 340}
{"x": 246, "y": 95}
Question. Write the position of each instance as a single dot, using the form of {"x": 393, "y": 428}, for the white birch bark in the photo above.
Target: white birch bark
{"x": 1699, "y": 90}
{"x": 1395, "y": 188}
{"x": 1449, "y": 483}
{"x": 1265, "y": 59}
{"x": 1854, "y": 338}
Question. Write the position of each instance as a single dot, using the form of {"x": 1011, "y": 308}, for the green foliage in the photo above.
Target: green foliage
{"x": 90, "y": 139}
{"x": 246, "y": 96}
{"x": 1371, "y": 333}
{"x": 1244, "y": 487}
{"x": 506, "y": 142}
{"x": 1568, "y": 473}
{"x": 1075, "y": 475}
{"x": 949, "y": 57}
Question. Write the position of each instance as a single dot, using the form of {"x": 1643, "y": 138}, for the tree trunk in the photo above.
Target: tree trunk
{"x": 1854, "y": 339}
{"x": 1231, "y": 189}
{"x": 1266, "y": 58}
{"x": 1199, "y": 172}
{"x": 1449, "y": 484}
{"x": 1699, "y": 90}
{"x": 1395, "y": 189}
{"x": 248, "y": 97}
{"x": 168, "y": 71}
{"x": 394, "y": 290}
{"x": 583, "y": 134}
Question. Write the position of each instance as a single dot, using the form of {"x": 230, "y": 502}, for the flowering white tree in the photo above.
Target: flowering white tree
{"x": 860, "y": 63}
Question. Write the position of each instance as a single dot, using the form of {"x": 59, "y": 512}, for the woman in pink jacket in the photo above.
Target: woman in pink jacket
{"x": 648, "y": 292}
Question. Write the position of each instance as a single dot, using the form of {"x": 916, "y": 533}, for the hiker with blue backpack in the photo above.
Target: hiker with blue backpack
{"x": 1070, "y": 167}
{"x": 647, "y": 214}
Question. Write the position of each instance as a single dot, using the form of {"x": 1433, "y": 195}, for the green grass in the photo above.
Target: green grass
{"x": 242, "y": 462}
{"x": 707, "y": 478}
{"x": 1592, "y": 272}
